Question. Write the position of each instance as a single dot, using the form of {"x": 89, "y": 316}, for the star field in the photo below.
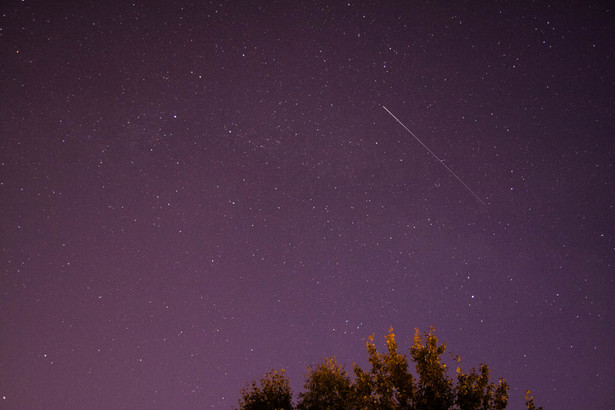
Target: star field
{"x": 194, "y": 193}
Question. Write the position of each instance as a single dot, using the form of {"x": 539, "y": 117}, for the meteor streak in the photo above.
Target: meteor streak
{"x": 434, "y": 155}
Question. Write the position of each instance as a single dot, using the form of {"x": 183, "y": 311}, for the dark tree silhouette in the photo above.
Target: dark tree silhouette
{"x": 272, "y": 392}
{"x": 388, "y": 384}
{"x": 327, "y": 386}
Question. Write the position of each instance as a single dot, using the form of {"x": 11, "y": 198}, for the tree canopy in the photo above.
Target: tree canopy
{"x": 388, "y": 384}
{"x": 272, "y": 392}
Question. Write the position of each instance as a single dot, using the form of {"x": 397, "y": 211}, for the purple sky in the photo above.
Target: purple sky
{"x": 194, "y": 193}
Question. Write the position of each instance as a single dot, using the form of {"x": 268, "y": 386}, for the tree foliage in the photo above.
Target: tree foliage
{"x": 529, "y": 401}
{"x": 328, "y": 386}
{"x": 388, "y": 384}
{"x": 272, "y": 392}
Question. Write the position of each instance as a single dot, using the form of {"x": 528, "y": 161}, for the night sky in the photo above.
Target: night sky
{"x": 193, "y": 193}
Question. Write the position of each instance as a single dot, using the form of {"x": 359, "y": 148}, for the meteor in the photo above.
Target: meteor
{"x": 434, "y": 155}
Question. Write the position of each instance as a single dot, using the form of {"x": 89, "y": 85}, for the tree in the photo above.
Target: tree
{"x": 327, "y": 386}
{"x": 529, "y": 401}
{"x": 473, "y": 391}
{"x": 271, "y": 393}
{"x": 388, "y": 384}
{"x": 434, "y": 388}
